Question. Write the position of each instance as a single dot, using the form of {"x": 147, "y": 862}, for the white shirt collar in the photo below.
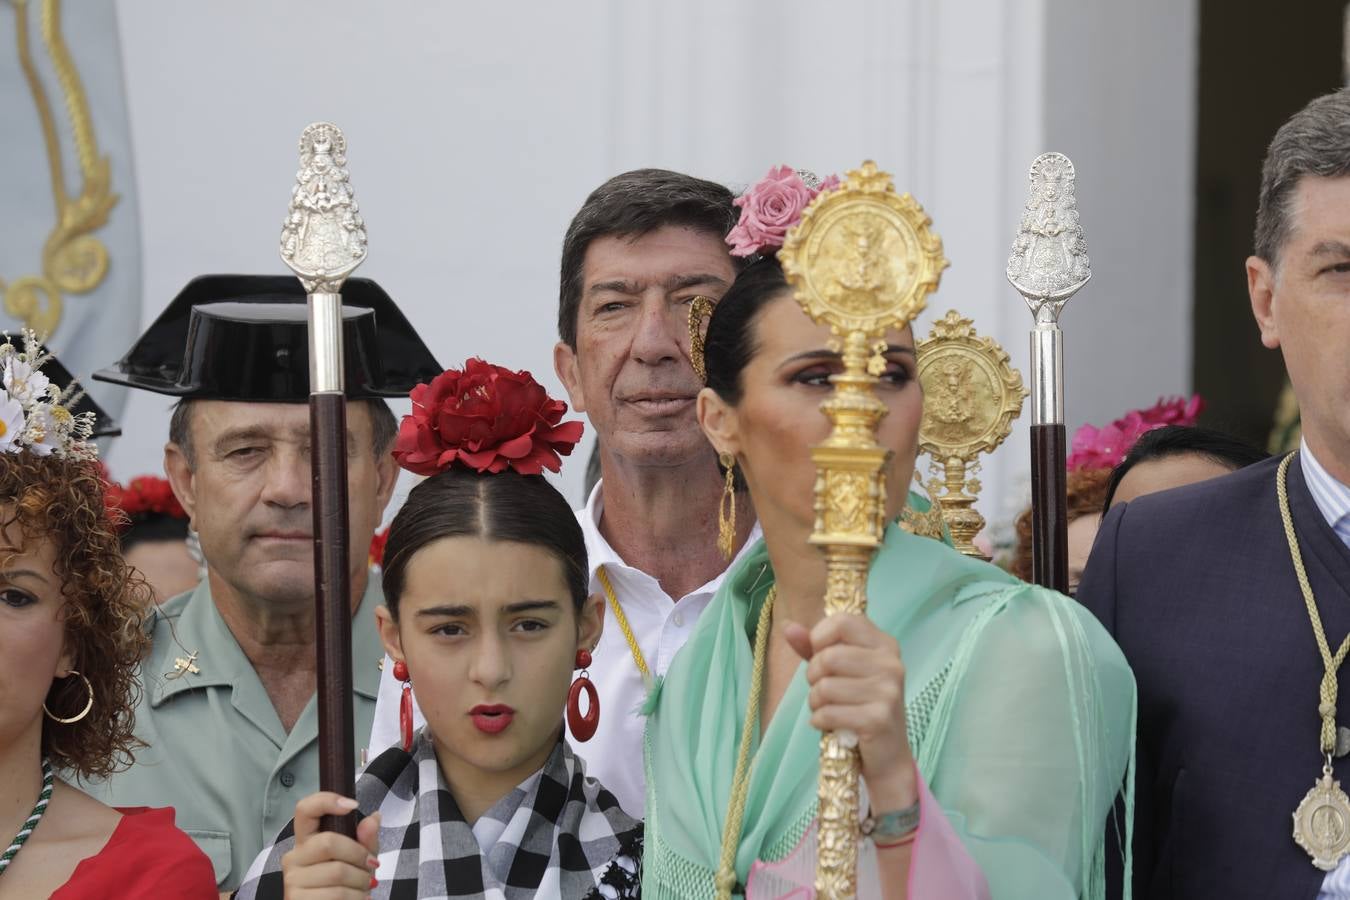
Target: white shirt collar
{"x": 602, "y": 554}
{"x": 1331, "y": 496}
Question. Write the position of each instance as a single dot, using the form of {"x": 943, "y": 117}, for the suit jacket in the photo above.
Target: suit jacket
{"x": 1197, "y": 587}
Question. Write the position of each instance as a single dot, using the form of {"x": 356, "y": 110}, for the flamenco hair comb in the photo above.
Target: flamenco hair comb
{"x": 36, "y": 414}
{"x": 485, "y": 418}
{"x": 1104, "y": 448}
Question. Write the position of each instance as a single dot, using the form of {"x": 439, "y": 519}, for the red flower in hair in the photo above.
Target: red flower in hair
{"x": 487, "y": 418}
{"x": 144, "y": 495}
{"x": 1104, "y": 448}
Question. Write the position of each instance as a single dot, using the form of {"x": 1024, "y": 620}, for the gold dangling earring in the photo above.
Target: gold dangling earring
{"x": 82, "y": 713}
{"x": 726, "y": 520}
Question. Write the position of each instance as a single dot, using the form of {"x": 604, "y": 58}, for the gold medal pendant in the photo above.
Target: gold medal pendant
{"x": 1322, "y": 822}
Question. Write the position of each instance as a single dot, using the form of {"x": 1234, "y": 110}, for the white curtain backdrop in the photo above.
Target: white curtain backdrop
{"x": 476, "y": 130}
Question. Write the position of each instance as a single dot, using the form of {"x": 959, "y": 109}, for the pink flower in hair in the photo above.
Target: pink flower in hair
{"x": 1105, "y": 447}
{"x": 770, "y": 207}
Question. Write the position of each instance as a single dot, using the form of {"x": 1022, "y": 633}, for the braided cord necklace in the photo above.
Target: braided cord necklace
{"x": 633, "y": 648}
{"x": 1322, "y": 820}
{"x": 740, "y": 781}
{"x": 26, "y": 830}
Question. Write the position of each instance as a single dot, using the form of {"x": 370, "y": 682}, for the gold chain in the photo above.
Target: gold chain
{"x": 740, "y": 782}
{"x": 619, "y": 617}
{"x": 1327, "y": 708}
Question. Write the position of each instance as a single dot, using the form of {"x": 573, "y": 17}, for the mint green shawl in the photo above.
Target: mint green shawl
{"x": 1020, "y": 713}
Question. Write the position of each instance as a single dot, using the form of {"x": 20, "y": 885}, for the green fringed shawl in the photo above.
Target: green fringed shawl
{"x": 1021, "y": 717}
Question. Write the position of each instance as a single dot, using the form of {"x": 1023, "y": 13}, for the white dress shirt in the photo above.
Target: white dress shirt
{"x": 614, "y": 754}
{"x": 1333, "y": 501}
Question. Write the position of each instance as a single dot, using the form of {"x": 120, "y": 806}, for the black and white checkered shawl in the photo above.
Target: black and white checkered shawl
{"x": 565, "y": 836}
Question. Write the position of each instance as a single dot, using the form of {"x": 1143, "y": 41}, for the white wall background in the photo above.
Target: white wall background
{"x": 476, "y": 130}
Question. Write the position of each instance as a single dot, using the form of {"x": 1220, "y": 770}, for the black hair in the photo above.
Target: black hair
{"x": 730, "y": 342}
{"x": 506, "y": 506}
{"x": 1179, "y": 440}
{"x": 631, "y": 205}
{"x": 151, "y": 528}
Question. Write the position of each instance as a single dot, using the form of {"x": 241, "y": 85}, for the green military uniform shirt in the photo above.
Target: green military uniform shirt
{"x": 217, "y": 751}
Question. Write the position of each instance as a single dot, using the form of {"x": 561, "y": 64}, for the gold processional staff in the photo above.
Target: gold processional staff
{"x": 862, "y": 260}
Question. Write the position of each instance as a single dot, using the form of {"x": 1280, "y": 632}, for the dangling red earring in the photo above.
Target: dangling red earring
{"x": 405, "y": 713}
{"x": 583, "y": 727}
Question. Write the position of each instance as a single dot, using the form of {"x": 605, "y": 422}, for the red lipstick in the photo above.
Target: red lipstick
{"x": 492, "y": 719}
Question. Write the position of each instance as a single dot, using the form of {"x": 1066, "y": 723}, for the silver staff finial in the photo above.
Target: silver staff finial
{"x": 323, "y": 238}
{"x": 1049, "y": 260}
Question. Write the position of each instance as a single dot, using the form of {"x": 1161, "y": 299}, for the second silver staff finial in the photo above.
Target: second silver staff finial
{"x": 323, "y": 238}
{"x": 1049, "y": 260}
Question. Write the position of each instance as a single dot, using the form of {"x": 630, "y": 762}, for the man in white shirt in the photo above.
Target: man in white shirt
{"x": 1215, "y": 591}
{"x": 642, "y": 246}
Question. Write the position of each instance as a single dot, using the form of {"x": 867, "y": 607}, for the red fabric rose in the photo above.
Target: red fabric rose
{"x": 1104, "y": 448}
{"x": 487, "y": 418}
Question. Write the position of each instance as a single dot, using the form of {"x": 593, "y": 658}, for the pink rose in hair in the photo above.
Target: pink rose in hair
{"x": 769, "y": 208}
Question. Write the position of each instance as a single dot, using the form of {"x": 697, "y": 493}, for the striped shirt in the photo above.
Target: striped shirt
{"x": 1333, "y": 500}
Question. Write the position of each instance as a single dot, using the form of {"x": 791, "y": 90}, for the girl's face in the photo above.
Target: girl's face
{"x": 490, "y": 635}
{"x": 778, "y": 420}
{"x": 32, "y": 631}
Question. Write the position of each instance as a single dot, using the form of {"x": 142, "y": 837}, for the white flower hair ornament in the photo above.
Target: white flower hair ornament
{"x": 35, "y": 414}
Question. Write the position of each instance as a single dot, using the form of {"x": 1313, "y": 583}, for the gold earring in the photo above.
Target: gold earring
{"x": 82, "y": 713}
{"x": 726, "y": 520}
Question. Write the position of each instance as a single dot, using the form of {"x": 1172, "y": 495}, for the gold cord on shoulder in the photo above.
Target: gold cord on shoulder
{"x": 740, "y": 782}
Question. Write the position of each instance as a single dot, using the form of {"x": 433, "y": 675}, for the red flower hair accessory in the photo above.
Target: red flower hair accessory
{"x": 144, "y": 495}
{"x": 486, "y": 418}
{"x": 1104, "y": 448}
{"x": 771, "y": 207}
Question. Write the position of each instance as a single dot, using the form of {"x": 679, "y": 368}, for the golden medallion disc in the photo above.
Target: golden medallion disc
{"x": 1322, "y": 823}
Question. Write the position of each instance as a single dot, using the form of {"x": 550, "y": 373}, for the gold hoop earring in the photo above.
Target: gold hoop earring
{"x": 84, "y": 712}
{"x": 726, "y": 519}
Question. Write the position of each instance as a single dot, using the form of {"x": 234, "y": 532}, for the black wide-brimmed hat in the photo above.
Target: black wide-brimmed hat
{"x": 246, "y": 338}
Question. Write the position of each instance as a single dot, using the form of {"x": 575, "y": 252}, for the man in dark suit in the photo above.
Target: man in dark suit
{"x": 1200, "y": 589}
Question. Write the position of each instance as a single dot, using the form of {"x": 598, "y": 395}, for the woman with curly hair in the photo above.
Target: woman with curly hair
{"x": 70, "y": 640}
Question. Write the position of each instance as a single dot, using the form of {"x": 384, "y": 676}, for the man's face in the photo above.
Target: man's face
{"x": 1303, "y": 307}
{"x": 248, "y": 494}
{"x": 630, "y": 371}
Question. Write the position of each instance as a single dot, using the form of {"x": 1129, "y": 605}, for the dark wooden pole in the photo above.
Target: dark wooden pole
{"x": 333, "y": 599}
{"x": 1049, "y": 508}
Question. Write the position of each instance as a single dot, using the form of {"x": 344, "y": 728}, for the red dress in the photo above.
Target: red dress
{"x": 145, "y": 857}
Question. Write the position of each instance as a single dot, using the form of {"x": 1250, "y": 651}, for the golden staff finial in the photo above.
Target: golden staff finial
{"x": 861, "y": 261}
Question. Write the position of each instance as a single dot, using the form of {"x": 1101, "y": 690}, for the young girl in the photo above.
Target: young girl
{"x": 487, "y": 616}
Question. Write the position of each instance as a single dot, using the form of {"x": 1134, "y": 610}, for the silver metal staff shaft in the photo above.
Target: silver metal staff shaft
{"x": 1048, "y": 265}
{"x": 323, "y": 240}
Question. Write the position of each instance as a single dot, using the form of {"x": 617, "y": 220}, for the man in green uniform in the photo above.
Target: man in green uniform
{"x": 228, "y": 705}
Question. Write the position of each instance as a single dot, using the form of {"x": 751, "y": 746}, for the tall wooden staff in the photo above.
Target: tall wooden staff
{"x": 1048, "y": 265}
{"x": 322, "y": 241}
{"x": 863, "y": 262}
